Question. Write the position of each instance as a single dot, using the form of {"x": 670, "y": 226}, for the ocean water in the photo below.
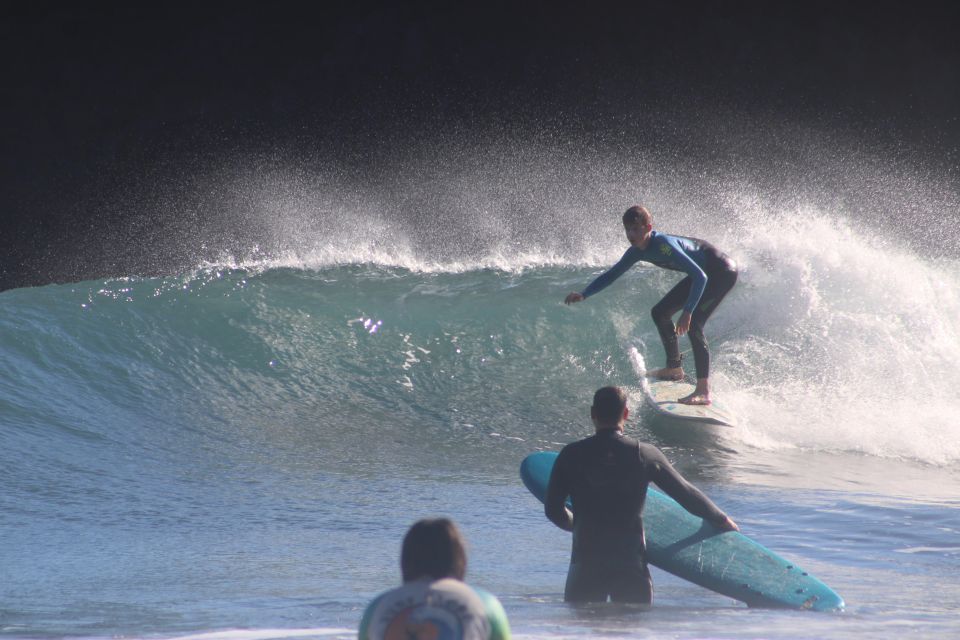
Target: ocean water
{"x": 236, "y": 450}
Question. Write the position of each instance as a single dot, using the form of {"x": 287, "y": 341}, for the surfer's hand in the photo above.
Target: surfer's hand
{"x": 573, "y": 297}
{"x": 727, "y": 525}
{"x": 683, "y": 324}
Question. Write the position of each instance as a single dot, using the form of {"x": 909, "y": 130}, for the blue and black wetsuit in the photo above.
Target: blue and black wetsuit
{"x": 710, "y": 276}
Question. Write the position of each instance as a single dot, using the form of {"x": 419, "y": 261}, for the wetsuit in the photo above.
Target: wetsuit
{"x": 710, "y": 276}
{"x": 606, "y": 478}
{"x": 422, "y": 609}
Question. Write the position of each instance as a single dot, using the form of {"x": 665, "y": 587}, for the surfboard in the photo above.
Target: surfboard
{"x": 727, "y": 562}
{"x": 661, "y": 397}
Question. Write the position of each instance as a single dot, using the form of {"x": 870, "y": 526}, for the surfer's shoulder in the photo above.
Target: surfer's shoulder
{"x": 660, "y": 243}
{"x": 650, "y": 454}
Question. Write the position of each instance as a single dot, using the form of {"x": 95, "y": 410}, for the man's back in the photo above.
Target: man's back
{"x": 606, "y": 480}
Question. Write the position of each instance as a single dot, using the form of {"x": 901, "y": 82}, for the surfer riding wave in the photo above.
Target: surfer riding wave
{"x": 711, "y": 274}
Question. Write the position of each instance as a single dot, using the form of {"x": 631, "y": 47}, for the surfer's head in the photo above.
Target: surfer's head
{"x": 433, "y": 548}
{"x": 609, "y": 408}
{"x": 637, "y": 222}
{"x": 637, "y": 214}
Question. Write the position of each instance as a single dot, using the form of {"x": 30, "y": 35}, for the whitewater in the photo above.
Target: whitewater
{"x": 234, "y": 450}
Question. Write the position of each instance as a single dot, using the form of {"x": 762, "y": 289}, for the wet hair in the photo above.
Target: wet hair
{"x": 608, "y": 405}
{"x": 433, "y": 548}
{"x": 635, "y": 214}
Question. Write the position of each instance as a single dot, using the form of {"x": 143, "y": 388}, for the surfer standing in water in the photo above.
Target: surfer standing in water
{"x": 711, "y": 274}
{"x": 606, "y": 478}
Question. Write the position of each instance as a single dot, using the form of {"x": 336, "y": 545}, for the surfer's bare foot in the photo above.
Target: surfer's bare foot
{"x": 700, "y": 395}
{"x": 697, "y": 399}
{"x": 667, "y": 373}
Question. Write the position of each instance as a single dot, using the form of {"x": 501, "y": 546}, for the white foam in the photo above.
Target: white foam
{"x": 403, "y": 258}
{"x": 843, "y": 341}
{"x": 266, "y": 634}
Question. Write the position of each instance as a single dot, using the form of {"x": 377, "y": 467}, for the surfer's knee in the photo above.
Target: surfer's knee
{"x": 661, "y": 315}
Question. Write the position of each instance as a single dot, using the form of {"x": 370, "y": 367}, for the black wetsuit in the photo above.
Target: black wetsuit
{"x": 606, "y": 477}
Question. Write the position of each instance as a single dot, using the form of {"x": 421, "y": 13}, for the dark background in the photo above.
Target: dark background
{"x": 100, "y": 102}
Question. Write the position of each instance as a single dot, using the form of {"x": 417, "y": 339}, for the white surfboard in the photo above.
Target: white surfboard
{"x": 662, "y": 396}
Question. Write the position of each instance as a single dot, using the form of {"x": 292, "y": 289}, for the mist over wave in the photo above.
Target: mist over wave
{"x": 531, "y": 194}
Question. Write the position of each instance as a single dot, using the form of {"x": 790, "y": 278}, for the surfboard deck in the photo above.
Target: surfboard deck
{"x": 661, "y": 397}
{"x": 728, "y": 562}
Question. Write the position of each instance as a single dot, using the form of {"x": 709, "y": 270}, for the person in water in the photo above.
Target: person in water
{"x": 711, "y": 274}
{"x": 606, "y": 478}
{"x": 434, "y": 601}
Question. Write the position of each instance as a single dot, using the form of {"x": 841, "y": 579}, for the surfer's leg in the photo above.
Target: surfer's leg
{"x": 632, "y": 584}
{"x": 701, "y": 350}
{"x": 663, "y": 313}
{"x": 584, "y": 585}
{"x": 718, "y": 285}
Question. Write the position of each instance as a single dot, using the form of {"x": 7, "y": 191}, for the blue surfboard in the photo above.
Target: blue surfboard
{"x": 728, "y": 562}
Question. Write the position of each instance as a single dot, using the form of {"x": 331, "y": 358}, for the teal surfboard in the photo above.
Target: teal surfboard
{"x": 728, "y": 562}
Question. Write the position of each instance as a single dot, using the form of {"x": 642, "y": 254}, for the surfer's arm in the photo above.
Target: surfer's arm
{"x": 630, "y": 258}
{"x": 555, "y": 502}
{"x": 689, "y": 497}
